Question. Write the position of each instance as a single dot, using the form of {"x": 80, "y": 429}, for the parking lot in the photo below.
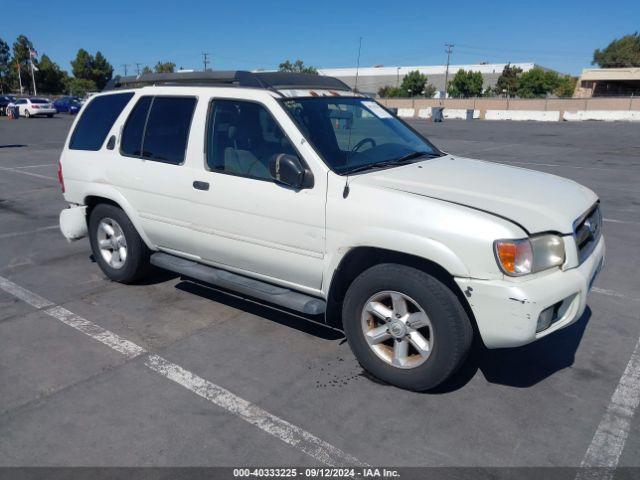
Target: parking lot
{"x": 204, "y": 378}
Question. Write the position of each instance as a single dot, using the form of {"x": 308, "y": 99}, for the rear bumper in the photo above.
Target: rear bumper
{"x": 43, "y": 111}
{"x": 73, "y": 222}
{"x": 507, "y": 312}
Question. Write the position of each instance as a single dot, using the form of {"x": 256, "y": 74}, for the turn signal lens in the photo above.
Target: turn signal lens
{"x": 515, "y": 257}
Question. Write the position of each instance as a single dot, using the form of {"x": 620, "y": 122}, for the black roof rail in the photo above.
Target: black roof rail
{"x": 240, "y": 78}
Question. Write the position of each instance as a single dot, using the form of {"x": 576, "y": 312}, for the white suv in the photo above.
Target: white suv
{"x": 298, "y": 192}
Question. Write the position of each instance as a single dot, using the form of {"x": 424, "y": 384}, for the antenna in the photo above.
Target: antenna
{"x": 355, "y": 87}
{"x": 345, "y": 191}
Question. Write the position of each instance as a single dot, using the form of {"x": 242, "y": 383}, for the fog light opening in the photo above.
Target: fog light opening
{"x": 548, "y": 317}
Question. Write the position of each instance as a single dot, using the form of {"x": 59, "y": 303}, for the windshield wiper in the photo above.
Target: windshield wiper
{"x": 392, "y": 162}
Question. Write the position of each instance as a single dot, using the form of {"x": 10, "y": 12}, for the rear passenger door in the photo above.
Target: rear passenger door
{"x": 150, "y": 169}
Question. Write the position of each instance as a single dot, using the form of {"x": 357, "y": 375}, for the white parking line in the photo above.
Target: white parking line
{"x": 31, "y": 174}
{"x": 27, "y": 232}
{"x": 291, "y": 434}
{"x": 29, "y": 166}
{"x": 285, "y": 431}
{"x": 614, "y": 220}
{"x": 110, "y": 339}
{"x": 23, "y": 294}
{"x": 612, "y": 432}
{"x": 613, "y": 293}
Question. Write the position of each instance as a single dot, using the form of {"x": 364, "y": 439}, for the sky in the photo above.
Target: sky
{"x": 260, "y": 34}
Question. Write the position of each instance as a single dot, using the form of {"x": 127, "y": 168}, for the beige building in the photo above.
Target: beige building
{"x": 603, "y": 82}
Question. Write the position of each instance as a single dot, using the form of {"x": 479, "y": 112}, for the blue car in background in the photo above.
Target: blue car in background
{"x": 70, "y": 105}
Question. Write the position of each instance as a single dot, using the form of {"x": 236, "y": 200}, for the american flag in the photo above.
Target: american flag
{"x": 33, "y": 53}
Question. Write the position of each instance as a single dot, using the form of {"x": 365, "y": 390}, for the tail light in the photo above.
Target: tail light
{"x": 60, "y": 177}
{"x": 35, "y": 106}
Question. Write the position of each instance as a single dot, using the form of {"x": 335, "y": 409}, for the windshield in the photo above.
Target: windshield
{"x": 352, "y": 134}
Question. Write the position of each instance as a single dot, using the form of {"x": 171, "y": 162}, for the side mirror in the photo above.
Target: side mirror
{"x": 288, "y": 170}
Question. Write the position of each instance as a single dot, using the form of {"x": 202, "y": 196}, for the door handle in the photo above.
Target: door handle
{"x": 198, "y": 185}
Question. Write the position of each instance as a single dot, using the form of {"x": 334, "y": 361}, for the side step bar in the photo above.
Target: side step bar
{"x": 248, "y": 286}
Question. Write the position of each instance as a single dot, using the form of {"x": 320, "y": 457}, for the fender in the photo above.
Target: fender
{"x": 400, "y": 242}
{"x": 110, "y": 193}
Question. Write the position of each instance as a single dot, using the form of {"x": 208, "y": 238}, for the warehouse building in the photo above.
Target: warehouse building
{"x": 371, "y": 79}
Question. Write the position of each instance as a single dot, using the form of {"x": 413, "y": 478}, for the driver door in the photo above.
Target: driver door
{"x": 248, "y": 222}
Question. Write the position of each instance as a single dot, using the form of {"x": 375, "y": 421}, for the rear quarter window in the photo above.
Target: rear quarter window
{"x": 96, "y": 121}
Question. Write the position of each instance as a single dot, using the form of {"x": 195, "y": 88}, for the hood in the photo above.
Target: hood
{"x": 537, "y": 201}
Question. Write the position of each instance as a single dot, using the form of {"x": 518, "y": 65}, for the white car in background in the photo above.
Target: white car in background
{"x": 31, "y": 107}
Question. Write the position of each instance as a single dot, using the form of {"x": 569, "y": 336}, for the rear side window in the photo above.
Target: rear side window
{"x": 167, "y": 130}
{"x": 97, "y": 120}
{"x": 132, "y": 134}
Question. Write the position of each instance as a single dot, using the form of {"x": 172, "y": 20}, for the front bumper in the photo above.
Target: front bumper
{"x": 507, "y": 312}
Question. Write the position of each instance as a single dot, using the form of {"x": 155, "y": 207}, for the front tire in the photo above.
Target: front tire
{"x": 27, "y": 113}
{"x": 405, "y": 326}
{"x": 117, "y": 247}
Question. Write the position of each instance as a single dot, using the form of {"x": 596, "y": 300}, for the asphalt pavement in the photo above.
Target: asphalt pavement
{"x": 68, "y": 398}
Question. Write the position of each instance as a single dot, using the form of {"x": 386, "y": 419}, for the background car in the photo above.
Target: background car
{"x": 30, "y": 107}
{"x": 5, "y": 101}
{"x": 68, "y": 104}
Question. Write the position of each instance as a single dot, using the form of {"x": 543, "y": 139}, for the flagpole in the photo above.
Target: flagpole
{"x": 33, "y": 77}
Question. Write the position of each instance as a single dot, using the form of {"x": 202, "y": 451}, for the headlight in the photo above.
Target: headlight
{"x": 529, "y": 255}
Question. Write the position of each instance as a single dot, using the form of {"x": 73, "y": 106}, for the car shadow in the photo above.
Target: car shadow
{"x": 520, "y": 367}
{"x": 524, "y": 366}
{"x": 310, "y": 325}
{"x": 13, "y": 145}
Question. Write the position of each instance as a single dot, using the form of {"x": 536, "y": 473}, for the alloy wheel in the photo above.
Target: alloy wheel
{"x": 397, "y": 329}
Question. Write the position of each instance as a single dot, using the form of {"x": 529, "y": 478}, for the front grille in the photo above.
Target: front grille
{"x": 587, "y": 230}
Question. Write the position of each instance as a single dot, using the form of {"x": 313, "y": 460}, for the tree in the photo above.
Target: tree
{"x": 465, "y": 84}
{"x": 566, "y": 86}
{"x": 297, "y": 67}
{"x": 537, "y": 82}
{"x": 165, "y": 67}
{"x": 81, "y": 66}
{"x": 430, "y": 90}
{"x": 620, "y": 53}
{"x": 146, "y": 70}
{"x": 414, "y": 84}
{"x": 508, "y": 80}
{"x": 79, "y": 87}
{"x": 5, "y": 66}
{"x": 391, "y": 92}
{"x": 102, "y": 71}
{"x": 49, "y": 77}
{"x": 87, "y": 67}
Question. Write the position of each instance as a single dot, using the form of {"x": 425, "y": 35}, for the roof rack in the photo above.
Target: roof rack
{"x": 239, "y": 78}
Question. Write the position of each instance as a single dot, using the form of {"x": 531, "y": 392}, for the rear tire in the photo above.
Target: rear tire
{"x": 117, "y": 247}
{"x": 50, "y": 115}
{"x": 378, "y": 312}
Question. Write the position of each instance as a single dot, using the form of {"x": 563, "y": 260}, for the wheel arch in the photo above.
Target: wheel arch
{"x": 94, "y": 199}
{"x": 359, "y": 259}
